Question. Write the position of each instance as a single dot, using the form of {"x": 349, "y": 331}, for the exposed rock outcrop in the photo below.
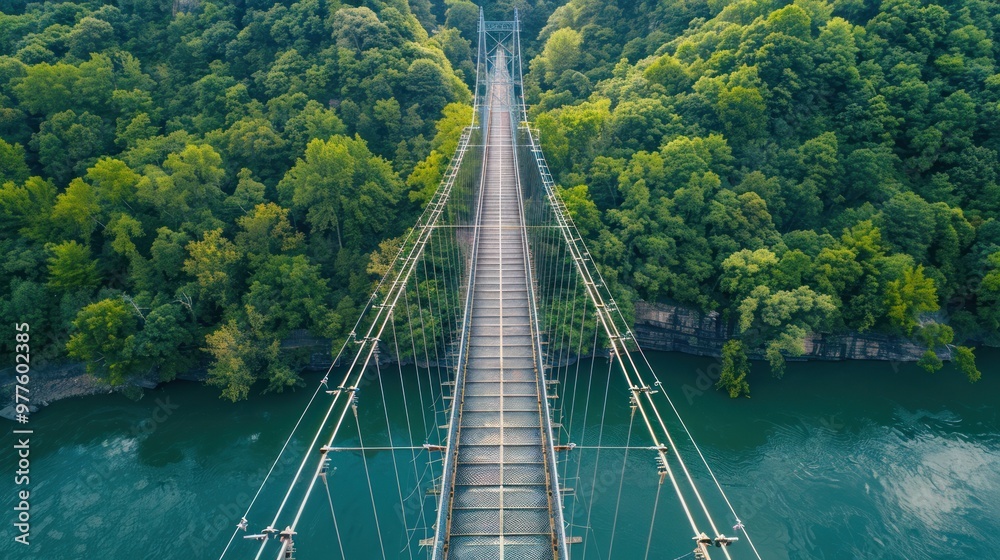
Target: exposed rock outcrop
{"x": 674, "y": 328}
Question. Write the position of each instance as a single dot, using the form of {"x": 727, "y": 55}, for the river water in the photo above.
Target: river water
{"x": 836, "y": 460}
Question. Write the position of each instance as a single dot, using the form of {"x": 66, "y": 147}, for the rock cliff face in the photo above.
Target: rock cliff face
{"x": 658, "y": 326}
{"x": 673, "y": 328}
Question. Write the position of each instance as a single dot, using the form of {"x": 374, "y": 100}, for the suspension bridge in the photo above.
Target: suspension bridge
{"x": 477, "y": 346}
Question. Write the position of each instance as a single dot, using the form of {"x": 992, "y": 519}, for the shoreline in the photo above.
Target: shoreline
{"x": 62, "y": 381}
{"x": 54, "y": 383}
{"x": 674, "y": 328}
{"x": 658, "y": 327}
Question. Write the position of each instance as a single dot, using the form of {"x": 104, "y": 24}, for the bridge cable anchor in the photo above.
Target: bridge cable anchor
{"x": 722, "y": 540}
{"x": 286, "y": 537}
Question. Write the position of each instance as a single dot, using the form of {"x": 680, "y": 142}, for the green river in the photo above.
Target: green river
{"x": 838, "y": 460}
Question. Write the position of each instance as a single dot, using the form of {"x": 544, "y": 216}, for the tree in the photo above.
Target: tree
{"x": 966, "y": 362}
{"x": 67, "y": 143}
{"x": 252, "y": 143}
{"x": 818, "y": 164}
{"x": 425, "y": 178}
{"x": 114, "y": 184}
{"x": 121, "y": 231}
{"x": 339, "y": 187}
{"x": 908, "y": 296}
{"x": 735, "y": 367}
{"x": 464, "y": 16}
{"x": 12, "y": 164}
{"x": 744, "y": 270}
{"x": 26, "y": 209}
{"x": 186, "y": 191}
{"x": 582, "y": 209}
{"x": 71, "y": 268}
{"x": 933, "y": 335}
{"x": 90, "y": 35}
{"x": 76, "y": 210}
{"x": 780, "y": 320}
{"x": 427, "y": 84}
{"x": 561, "y": 53}
{"x": 212, "y": 261}
{"x": 360, "y": 29}
{"x": 167, "y": 255}
{"x": 130, "y": 131}
{"x": 669, "y": 73}
{"x": 247, "y": 195}
{"x": 454, "y": 118}
{"x": 47, "y": 89}
{"x": 289, "y": 293}
{"x": 164, "y": 340}
{"x": 742, "y": 112}
{"x": 266, "y": 231}
{"x": 230, "y": 351}
{"x": 104, "y": 338}
{"x": 313, "y": 121}
{"x": 242, "y": 352}
{"x": 930, "y": 361}
{"x": 910, "y": 218}
{"x": 988, "y": 303}
{"x": 459, "y": 52}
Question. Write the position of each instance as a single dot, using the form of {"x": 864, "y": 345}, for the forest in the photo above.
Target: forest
{"x": 800, "y": 167}
{"x": 190, "y": 181}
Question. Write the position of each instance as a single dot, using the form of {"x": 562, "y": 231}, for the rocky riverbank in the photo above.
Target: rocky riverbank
{"x": 51, "y": 383}
{"x": 673, "y": 328}
{"x": 658, "y": 326}
{"x": 57, "y": 381}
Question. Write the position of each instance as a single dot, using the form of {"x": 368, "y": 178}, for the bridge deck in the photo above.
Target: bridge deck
{"x": 500, "y": 503}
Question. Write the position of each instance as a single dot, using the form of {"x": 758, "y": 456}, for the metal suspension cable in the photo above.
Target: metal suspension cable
{"x": 322, "y": 383}
{"x": 561, "y": 545}
{"x": 392, "y": 454}
{"x": 413, "y": 237}
{"x": 452, "y": 258}
{"x": 701, "y": 455}
{"x": 680, "y": 460}
{"x": 298, "y": 473}
{"x": 576, "y": 374}
{"x": 278, "y": 458}
{"x": 659, "y": 383}
{"x": 312, "y": 483}
{"x": 319, "y": 466}
{"x": 447, "y": 467}
{"x": 652, "y": 520}
{"x": 611, "y": 331}
{"x": 423, "y": 325}
{"x": 597, "y": 459}
{"x": 406, "y": 411}
{"x": 586, "y": 413}
{"x": 621, "y": 485}
{"x": 430, "y": 386}
{"x": 479, "y": 61}
{"x": 413, "y": 245}
{"x": 333, "y": 513}
{"x": 305, "y": 458}
{"x": 371, "y": 488}
{"x": 435, "y": 282}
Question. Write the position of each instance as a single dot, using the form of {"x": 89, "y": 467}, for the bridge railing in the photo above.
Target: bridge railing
{"x": 414, "y": 315}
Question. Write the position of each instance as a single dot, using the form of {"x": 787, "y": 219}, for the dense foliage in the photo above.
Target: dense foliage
{"x": 802, "y": 167}
{"x": 192, "y": 179}
{"x": 200, "y": 178}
